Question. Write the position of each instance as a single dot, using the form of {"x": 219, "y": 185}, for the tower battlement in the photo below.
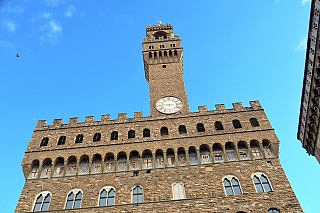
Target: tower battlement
{"x": 138, "y": 116}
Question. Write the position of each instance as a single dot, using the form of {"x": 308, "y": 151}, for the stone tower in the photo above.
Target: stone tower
{"x": 223, "y": 160}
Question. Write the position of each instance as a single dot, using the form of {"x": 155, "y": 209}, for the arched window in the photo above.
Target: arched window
{"x": 114, "y": 135}
{"x": 96, "y": 164}
{"x": 107, "y": 196}
{"x": 181, "y": 156}
{"x": 79, "y": 138}
{"x": 34, "y": 170}
{"x": 255, "y": 149}
{"x": 182, "y": 129}
{"x": 131, "y": 134}
{"x": 97, "y": 137}
{"x": 159, "y": 159}
{"x": 243, "y": 151}
{"x": 218, "y": 152}
{"x": 164, "y": 131}
{"x": 147, "y": 160}
{"x": 146, "y": 133}
{"x": 137, "y": 195}
{"x": 231, "y": 152}
{"x": 44, "y": 141}
{"x": 231, "y": 185}
{"x": 205, "y": 154}
{"x": 236, "y": 124}
{"x": 273, "y": 210}
{"x": 74, "y": 199}
{"x": 261, "y": 182}
{"x": 218, "y": 125}
{"x": 200, "y": 127}
{"x": 122, "y": 161}
{"x": 71, "y": 166}
{"x": 84, "y": 165}
{"x": 109, "y": 162}
{"x": 193, "y": 155}
{"x": 254, "y": 122}
{"x": 178, "y": 191}
{"x": 267, "y": 148}
{"x": 42, "y": 202}
{"x": 170, "y": 157}
{"x": 59, "y": 167}
{"x": 46, "y": 168}
{"x": 135, "y": 160}
{"x": 62, "y": 140}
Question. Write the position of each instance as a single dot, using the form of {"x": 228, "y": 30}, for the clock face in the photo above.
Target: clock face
{"x": 169, "y": 105}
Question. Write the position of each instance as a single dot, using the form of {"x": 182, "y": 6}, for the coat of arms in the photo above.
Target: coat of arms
{"x": 109, "y": 166}
{"x": 34, "y": 174}
{"x": 147, "y": 163}
{"x": 171, "y": 161}
{"x": 59, "y": 171}
{"x": 97, "y": 167}
{"x": 84, "y": 168}
{"x": 160, "y": 162}
{"x": 72, "y": 170}
{"x": 205, "y": 158}
{"x": 46, "y": 172}
{"x": 182, "y": 159}
{"x": 135, "y": 164}
{"x": 193, "y": 159}
{"x": 122, "y": 165}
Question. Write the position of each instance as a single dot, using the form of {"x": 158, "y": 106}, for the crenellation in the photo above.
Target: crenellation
{"x": 220, "y": 107}
{"x": 138, "y": 114}
{"x": 73, "y": 121}
{"x": 122, "y": 117}
{"x": 238, "y": 106}
{"x": 89, "y": 119}
{"x": 203, "y": 108}
{"x": 105, "y": 118}
{"x": 255, "y": 105}
{"x": 41, "y": 124}
{"x": 56, "y": 123}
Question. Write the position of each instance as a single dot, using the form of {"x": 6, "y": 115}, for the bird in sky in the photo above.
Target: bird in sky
{"x": 18, "y": 55}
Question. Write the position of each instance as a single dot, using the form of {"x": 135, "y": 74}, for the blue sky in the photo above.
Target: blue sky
{"x": 84, "y": 58}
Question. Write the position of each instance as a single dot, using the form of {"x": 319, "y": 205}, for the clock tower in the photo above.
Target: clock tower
{"x": 163, "y": 65}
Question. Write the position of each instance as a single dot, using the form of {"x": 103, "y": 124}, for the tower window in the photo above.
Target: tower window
{"x": 114, "y": 135}
{"x": 273, "y": 210}
{"x": 131, "y": 134}
{"x": 146, "y": 133}
{"x": 150, "y": 47}
{"x": 178, "y": 191}
{"x": 42, "y": 204}
{"x": 172, "y": 45}
{"x": 164, "y": 131}
{"x": 44, "y": 141}
{"x": 161, "y": 46}
{"x": 182, "y": 129}
{"x": 79, "y": 138}
{"x": 164, "y": 66}
{"x": 74, "y": 202}
{"x": 137, "y": 194}
{"x": 218, "y": 125}
{"x": 107, "y": 197}
{"x": 231, "y": 186}
{"x": 200, "y": 127}
{"x": 236, "y": 124}
{"x": 261, "y": 182}
{"x": 254, "y": 122}
{"x": 62, "y": 140}
{"x": 96, "y": 137}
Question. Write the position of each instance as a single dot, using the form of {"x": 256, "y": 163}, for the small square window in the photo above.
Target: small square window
{"x": 164, "y": 66}
{"x": 161, "y": 46}
{"x": 150, "y": 47}
{"x": 269, "y": 163}
{"x": 172, "y": 45}
{"x": 135, "y": 174}
{"x": 148, "y": 171}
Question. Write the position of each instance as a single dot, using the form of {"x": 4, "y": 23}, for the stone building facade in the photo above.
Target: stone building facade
{"x": 309, "y": 120}
{"x": 223, "y": 160}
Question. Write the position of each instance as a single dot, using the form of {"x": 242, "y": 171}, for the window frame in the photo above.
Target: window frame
{"x": 229, "y": 178}
{"x": 258, "y": 175}
{"x": 75, "y": 193}
{"x": 107, "y": 189}
{"x": 184, "y": 191}
{"x": 133, "y": 195}
{"x": 44, "y": 194}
